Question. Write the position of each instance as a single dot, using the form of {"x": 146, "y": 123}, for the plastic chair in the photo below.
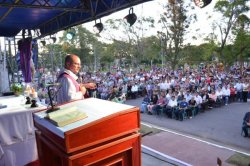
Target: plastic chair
{"x": 183, "y": 114}
{"x": 173, "y": 112}
{"x": 194, "y": 111}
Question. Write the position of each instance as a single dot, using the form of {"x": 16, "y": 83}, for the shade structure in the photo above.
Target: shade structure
{"x": 49, "y": 17}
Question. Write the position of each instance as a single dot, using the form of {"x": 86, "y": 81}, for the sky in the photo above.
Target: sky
{"x": 154, "y": 8}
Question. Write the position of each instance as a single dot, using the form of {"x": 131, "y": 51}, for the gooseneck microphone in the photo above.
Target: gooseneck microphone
{"x": 51, "y": 91}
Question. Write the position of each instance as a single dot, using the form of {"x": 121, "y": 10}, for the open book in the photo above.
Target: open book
{"x": 66, "y": 116}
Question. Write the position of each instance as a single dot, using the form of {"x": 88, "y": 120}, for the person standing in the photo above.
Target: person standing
{"x": 69, "y": 88}
{"x": 246, "y": 124}
{"x": 245, "y": 86}
{"x": 239, "y": 89}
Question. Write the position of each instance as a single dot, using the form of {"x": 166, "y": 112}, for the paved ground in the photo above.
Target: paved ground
{"x": 199, "y": 141}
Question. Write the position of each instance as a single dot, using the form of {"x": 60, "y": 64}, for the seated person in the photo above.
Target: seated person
{"x": 134, "y": 90}
{"x": 232, "y": 97}
{"x": 161, "y": 103}
{"x": 129, "y": 92}
{"x": 219, "y": 95}
{"x": 198, "y": 100}
{"x": 144, "y": 104}
{"x": 212, "y": 99}
{"x": 105, "y": 93}
{"x": 192, "y": 108}
{"x": 246, "y": 124}
{"x": 205, "y": 98}
{"x": 112, "y": 94}
{"x": 172, "y": 103}
{"x": 152, "y": 103}
{"x": 183, "y": 105}
{"x": 180, "y": 96}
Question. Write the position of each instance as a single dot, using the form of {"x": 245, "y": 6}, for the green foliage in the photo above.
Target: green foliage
{"x": 128, "y": 41}
{"x": 232, "y": 13}
{"x": 17, "y": 88}
{"x": 175, "y": 22}
{"x": 151, "y": 49}
{"x": 194, "y": 55}
{"x": 128, "y": 46}
{"x": 241, "y": 47}
{"x": 82, "y": 44}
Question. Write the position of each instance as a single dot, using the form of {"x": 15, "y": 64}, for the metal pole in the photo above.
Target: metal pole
{"x": 61, "y": 60}
{"x": 52, "y": 63}
{"x": 4, "y": 57}
{"x": 162, "y": 51}
{"x": 95, "y": 58}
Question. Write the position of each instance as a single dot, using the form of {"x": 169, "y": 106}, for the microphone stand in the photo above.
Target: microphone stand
{"x": 53, "y": 107}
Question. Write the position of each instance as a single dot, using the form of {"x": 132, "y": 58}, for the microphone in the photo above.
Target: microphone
{"x": 53, "y": 84}
{"x": 51, "y": 95}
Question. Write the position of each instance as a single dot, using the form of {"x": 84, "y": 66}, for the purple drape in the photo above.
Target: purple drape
{"x": 35, "y": 53}
{"x": 25, "y": 56}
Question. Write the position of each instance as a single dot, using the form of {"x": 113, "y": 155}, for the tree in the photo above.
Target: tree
{"x": 133, "y": 35}
{"x": 57, "y": 58}
{"x": 194, "y": 55}
{"x": 151, "y": 49}
{"x": 82, "y": 44}
{"x": 242, "y": 40}
{"x": 175, "y": 22}
{"x": 230, "y": 12}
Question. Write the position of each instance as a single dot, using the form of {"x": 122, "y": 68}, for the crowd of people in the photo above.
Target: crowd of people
{"x": 180, "y": 94}
{"x": 165, "y": 90}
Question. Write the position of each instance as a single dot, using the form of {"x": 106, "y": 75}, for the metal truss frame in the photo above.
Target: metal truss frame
{"x": 68, "y": 9}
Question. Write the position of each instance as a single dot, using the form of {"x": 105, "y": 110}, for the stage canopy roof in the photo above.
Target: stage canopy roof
{"x": 46, "y": 17}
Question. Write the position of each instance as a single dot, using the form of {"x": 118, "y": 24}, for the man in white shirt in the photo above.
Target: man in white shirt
{"x": 226, "y": 94}
{"x": 219, "y": 95}
{"x": 198, "y": 100}
{"x": 134, "y": 90}
{"x": 172, "y": 103}
{"x": 69, "y": 88}
{"x": 163, "y": 86}
{"x": 239, "y": 88}
{"x": 187, "y": 96}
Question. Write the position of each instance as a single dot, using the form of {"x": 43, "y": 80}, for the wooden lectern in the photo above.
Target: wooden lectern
{"x": 108, "y": 136}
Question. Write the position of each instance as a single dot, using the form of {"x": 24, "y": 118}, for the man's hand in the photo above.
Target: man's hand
{"x": 83, "y": 89}
{"x": 90, "y": 85}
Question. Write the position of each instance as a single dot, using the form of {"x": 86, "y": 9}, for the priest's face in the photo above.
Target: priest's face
{"x": 75, "y": 65}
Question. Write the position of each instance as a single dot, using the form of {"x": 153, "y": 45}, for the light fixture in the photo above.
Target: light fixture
{"x": 202, "y": 3}
{"x": 43, "y": 42}
{"x": 98, "y": 27}
{"x": 131, "y": 17}
{"x": 70, "y": 34}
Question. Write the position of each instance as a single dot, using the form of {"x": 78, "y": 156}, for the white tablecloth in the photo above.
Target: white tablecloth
{"x": 17, "y": 132}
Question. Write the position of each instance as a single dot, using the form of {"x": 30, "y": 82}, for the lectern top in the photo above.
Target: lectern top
{"x": 94, "y": 108}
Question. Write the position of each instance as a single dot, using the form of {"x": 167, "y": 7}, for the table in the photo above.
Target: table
{"x": 17, "y": 138}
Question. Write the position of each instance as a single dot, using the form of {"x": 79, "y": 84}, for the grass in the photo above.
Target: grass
{"x": 239, "y": 159}
{"x": 146, "y": 130}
